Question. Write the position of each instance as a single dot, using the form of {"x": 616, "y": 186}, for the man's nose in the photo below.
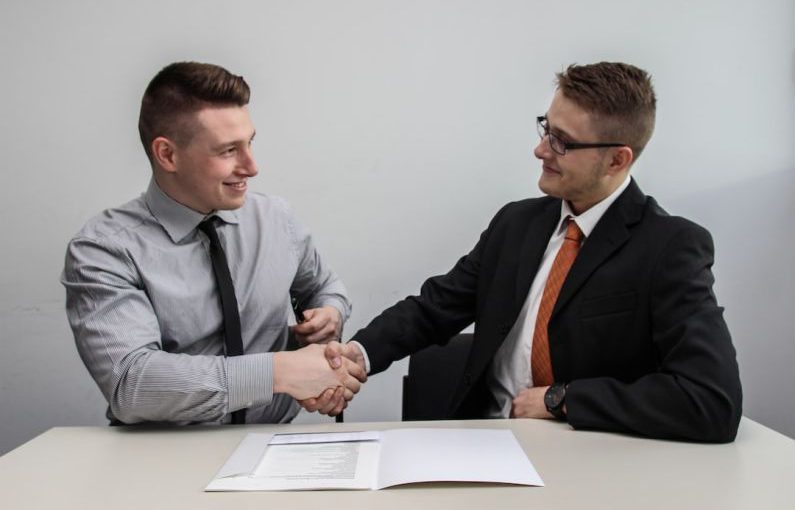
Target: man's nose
{"x": 543, "y": 149}
{"x": 247, "y": 162}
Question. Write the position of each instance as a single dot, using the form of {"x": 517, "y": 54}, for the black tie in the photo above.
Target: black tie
{"x": 233, "y": 339}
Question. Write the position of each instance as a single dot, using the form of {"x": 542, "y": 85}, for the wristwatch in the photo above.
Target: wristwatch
{"x": 554, "y": 399}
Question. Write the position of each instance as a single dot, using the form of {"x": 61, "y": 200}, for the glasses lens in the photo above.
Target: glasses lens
{"x": 557, "y": 144}
{"x": 542, "y": 124}
{"x": 541, "y": 127}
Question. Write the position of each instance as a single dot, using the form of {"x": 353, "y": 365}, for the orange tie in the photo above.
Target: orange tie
{"x": 540, "y": 363}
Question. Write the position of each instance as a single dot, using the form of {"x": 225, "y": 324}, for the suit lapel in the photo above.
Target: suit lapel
{"x": 610, "y": 233}
{"x": 533, "y": 246}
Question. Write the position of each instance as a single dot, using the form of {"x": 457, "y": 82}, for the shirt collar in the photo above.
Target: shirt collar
{"x": 177, "y": 219}
{"x": 587, "y": 221}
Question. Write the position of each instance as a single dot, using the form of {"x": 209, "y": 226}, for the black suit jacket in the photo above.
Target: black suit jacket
{"x": 636, "y": 331}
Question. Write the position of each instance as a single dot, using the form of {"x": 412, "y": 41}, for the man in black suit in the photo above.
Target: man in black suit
{"x": 632, "y": 338}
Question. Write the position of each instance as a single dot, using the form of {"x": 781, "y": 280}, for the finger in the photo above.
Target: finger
{"x": 355, "y": 370}
{"x": 329, "y": 407}
{"x": 352, "y": 352}
{"x": 324, "y": 400}
{"x": 326, "y": 334}
{"x": 314, "y": 321}
{"x": 310, "y": 404}
{"x": 334, "y": 402}
{"x": 315, "y": 317}
{"x": 305, "y": 328}
{"x": 337, "y": 410}
{"x": 328, "y": 401}
{"x": 333, "y": 353}
{"x": 348, "y": 394}
{"x": 352, "y": 383}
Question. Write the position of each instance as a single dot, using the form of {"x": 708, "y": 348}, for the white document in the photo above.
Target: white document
{"x": 374, "y": 460}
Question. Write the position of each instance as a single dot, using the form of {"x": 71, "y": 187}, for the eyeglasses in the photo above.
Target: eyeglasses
{"x": 559, "y": 145}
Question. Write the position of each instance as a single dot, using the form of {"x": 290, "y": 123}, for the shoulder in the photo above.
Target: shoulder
{"x": 521, "y": 211}
{"x": 106, "y": 242}
{"x": 648, "y": 221}
{"x": 116, "y": 225}
{"x": 530, "y": 205}
{"x": 660, "y": 223}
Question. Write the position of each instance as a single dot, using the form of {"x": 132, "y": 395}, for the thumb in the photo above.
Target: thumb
{"x": 333, "y": 354}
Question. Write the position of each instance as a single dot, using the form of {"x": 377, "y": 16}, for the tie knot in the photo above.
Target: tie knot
{"x": 573, "y": 232}
{"x": 208, "y": 226}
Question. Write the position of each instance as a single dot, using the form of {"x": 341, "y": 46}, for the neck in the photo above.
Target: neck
{"x": 167, "y": 186}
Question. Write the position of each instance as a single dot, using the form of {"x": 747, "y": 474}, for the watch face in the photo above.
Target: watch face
{"x": 554, "y": 396}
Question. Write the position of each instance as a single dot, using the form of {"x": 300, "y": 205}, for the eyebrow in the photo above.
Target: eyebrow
{"x": 223, "y": 145}
{"x": 558, "y": 131}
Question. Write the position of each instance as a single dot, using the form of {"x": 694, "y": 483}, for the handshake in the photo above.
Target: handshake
{"x": 325, "y": 375}
{"x": 323, "y": 378}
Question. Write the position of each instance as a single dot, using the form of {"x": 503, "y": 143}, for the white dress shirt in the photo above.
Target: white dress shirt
{"x": 511, "y": 367}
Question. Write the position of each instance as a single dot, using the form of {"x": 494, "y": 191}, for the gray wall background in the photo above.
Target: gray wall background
{"x": 396, "y": 129}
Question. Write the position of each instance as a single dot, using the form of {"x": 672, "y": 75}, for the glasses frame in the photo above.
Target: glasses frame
{"x": 542, "y": 125}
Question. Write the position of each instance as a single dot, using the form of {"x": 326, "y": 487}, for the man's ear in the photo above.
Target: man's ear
{"x": 164, "y": 154}
{"x": 621, "y": 160}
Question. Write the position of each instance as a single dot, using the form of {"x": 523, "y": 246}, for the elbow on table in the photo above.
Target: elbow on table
{"x": 126, "y": 411}
{"x": 720, "y": 423}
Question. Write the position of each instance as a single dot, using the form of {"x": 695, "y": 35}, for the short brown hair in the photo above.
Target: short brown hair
{"x": 619, "y": 97}
{"x": 183, "y": 88}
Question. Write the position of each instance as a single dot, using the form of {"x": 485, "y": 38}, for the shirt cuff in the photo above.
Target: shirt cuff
{"x": 364, "y": 353}
{"x": 249, "y": 380}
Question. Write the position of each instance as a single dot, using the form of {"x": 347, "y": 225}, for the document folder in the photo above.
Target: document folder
{"x": 374, "y": 460}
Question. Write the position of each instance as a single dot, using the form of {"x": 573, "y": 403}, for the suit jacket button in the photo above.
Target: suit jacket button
{"x": 468, "y": 379}
{"x": 505, "y": 328}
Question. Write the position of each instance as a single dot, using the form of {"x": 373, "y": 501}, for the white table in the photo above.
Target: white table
{"x": 117, "y": 468}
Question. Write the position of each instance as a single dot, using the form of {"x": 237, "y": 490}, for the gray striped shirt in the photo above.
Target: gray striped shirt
{"x": 143, "y": 305}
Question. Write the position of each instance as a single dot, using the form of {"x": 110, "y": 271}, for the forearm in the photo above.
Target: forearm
{"x": 694, "y": 394}
{"x": 658, "y": 405}
{"x": 161, "y": 386}
{"x": 440, "y": 311}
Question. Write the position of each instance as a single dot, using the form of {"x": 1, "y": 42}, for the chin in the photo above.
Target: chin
{"x": 231, "y": 205}
{"x": 547, "y": 189}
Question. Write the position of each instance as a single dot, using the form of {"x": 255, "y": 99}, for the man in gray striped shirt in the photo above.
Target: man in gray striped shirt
{"x": 141, "y": 296}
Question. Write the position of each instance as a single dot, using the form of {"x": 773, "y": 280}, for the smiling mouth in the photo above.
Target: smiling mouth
{"x": 236, "y": 185}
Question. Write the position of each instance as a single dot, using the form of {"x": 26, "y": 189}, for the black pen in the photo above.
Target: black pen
{"x": 297, "y": 310}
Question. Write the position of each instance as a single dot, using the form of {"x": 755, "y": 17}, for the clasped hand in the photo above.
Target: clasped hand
{"x": 320, "y": 377}
{"x": 320, "y": 381}
{"x": 324, "y": 326}
{"x": 333, "y": 402}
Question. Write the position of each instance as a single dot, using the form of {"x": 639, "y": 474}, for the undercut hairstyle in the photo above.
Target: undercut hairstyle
{"x": 619, "y": 97}
{"x": 177, "y": 92}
